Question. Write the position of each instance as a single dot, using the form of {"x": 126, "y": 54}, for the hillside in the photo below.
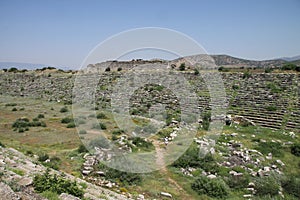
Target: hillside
{"x": 254, "y": 154}
{"x": 229, "y": 61}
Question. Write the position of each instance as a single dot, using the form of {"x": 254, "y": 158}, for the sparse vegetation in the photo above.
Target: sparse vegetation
{"x": 101, "y": 116}
{"x": 56, "y": 184}
{"x": 211, "y": 187}
{"x": 64, "y": 109}
{"x": 23, "y": 124}
{"x": 182, "y": 67}
{"x": 295, "y": 149}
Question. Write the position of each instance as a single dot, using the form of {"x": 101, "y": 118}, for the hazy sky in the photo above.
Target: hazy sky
{"x": 63, "y": 32}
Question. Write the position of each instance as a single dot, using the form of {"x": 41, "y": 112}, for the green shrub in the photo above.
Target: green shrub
{"x": 196, "y": 72}
{"x": 119, "y": 69}
{"x": 223, "y": 69}
{"x": 71, "y": 125}
{"x": 64, "y": 109}
{"x": 268, "y": 70}
{"x": 124, "y": 178}
{"x": 274, "y": 87}
{"x": 191, "y": 158}
{"x": 13, "y": 69}
{"x": 23, "y": 124}
{"x": 99, "y": 126}
{"x": 142, "y": 143}
{"x": 101, "y": 116}
{"x": 118, "y": 132}
{"x": 182, "y": 67}
{"x": 41, "y": 116}
{"x": 107, "y": 69}
{"x": 54, "y": 162}
{"x": 206, "y": 118}
{"x": 35, "y": 119}
{"x": 271, "y": 108}
{"x": 1, "y": 144}
{"x": 235, "y": 87}
{"x": 165, "y": 132}
{"x": 67, "y": 120}
{"x": 246, "y": 74}
{"x": 14, "y": 109}
{"x": 238, "y": 182}
{"x": 10, "y": 104}
{"x": 56, "y": 184}
{"x": 42, "y": 157}
{"x": 266, "y": 185}
{"x": 211, "y": 187}
{"x": 291, "y": 185}
{"x": 295, "y": 149}
{"x": 289, "y": 66}
{"x": 82, "y": 149}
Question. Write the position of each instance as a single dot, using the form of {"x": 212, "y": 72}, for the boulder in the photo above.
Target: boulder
{"x": 165, "y": 194}
{"x": 7, "y": 193}
{"x": 65, "y": 196}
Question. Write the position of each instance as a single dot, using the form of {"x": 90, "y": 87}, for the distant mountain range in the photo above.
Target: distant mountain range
{"x": 18, "y": 65}
{"x": 220, "y": 60}
{"x": 291, "y": 59}
{"x": 28, "y": 66}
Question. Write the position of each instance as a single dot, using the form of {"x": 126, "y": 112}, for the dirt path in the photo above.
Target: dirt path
{"x": 163, "y": 169}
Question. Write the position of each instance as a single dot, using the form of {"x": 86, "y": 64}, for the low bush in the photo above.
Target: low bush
{"x": 182, "y": 67}
{"x": 42, "y": 157}
{"x": 71, "y": 125}
{"x": 82, "y": 149}
{"x": 99, "y": 126}
{"x": 1, "y": 144}
{"x": 118, "y": 132}
{"x": 295, "y": 149}
{"x": 142, "y": 143}
{"x": 41, "y": 116}
{"x": 238, "y": 182}
{"x": 271, "y": 108}
{"x": 266, "y": 185}
{"x": 64, "y": 109}
{"x": 10, "y": 104}
{"x": 23, "y": 124}
{"x": 291, "y": 185}
{"x": 67, "y": 120}
{"x": 123, "y": 178}
{"x": 56, "y": 184}
{"x": 101, "y": 116}
{"x": 216, "y": 188}
{"x": 192, "y": 158}
{"x": 53, "y": 163}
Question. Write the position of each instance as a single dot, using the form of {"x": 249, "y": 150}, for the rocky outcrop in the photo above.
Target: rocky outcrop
{"x": 18, "y": 171}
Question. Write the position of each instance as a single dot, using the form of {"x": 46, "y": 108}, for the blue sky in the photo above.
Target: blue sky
{"x": 62, "y": 32}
